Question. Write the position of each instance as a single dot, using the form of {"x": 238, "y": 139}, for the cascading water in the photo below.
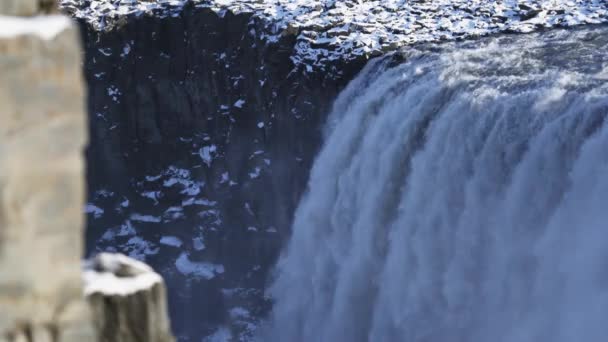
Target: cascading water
{"x": 461, "y": 196}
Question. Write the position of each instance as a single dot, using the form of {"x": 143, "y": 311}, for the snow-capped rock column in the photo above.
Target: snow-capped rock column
{"x": 128, "y": 300}
{"x": 42, "y": 136}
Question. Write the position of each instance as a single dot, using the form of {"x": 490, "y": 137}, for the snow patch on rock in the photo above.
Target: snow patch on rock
{"x": 45, "y": 27}
{"x": 197, "y": 269}
{"x": 117, "y": 274}
{"x": 172, "y": 241}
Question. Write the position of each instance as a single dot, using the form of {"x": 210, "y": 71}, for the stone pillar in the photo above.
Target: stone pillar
{"x": 42, "y": 136}
{"x": 128, "y": 300}
{"x": 19, "y": 7}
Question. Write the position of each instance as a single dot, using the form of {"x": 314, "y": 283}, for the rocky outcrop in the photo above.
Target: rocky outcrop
{"x": 19, "y": 8}
{"x": 42, "y": 136}
{"x": 27, "y": 7}
{"x": 41, "y": 184}
{"x": 128, "y": 300}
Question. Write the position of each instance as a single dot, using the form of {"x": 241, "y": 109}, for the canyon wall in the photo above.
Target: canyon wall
{"x": 202, "y": 135}
{"x": 205, "y": 118}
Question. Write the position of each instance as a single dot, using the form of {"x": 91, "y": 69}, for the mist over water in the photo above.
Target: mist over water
{"x": 461, "y": 196}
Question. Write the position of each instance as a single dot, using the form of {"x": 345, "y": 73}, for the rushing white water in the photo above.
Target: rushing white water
{"x": 461, "y": 196}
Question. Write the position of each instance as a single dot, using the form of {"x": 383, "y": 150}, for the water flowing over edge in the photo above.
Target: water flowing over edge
{"x": 460, "y": 197}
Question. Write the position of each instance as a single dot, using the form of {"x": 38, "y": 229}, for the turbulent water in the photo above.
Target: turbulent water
{"x": 461, "y": 196}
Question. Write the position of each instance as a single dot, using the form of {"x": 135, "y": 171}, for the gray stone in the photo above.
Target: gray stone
{"x": 42, "y": 137}
{"x": 19, "y": 7}
{"x": 41, "y": 180}
{"x": 128, "y": 300}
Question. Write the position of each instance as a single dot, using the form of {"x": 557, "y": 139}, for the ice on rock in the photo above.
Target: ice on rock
{"x": 145, "y": 218}
{"x": 96, "y": 211}
{"x": 125, "y": 203}
{"x": 153, "y": 195}
{"x": 174, "y": 176}
{"x": 255, "y": 173}
{"x": 172, "y": 241}
{"x": 114, "y": 93}
{"x": 153, "y": 178}
{"x": 126, "y": 50}
{"x": 103, "y": 193}
{"x": 222, "y": 334}
{"x": 239, "y": 104}
{"x": 225, "y": 178}
{"x": 106, "y": 52}
{"x": 138, "y": 248}
{"x": 173, "y": 213}
{"x": 197, "y": 269}
{"x": 206, "y": 153}
{"x": 198, "y": 243}
{"x": 239, "y": 312}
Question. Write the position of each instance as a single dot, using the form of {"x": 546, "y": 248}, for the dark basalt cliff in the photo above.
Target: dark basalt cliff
{"x": 201, "y": 139}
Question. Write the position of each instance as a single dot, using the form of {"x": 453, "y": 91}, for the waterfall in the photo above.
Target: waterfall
{"x": 460, "y": 196}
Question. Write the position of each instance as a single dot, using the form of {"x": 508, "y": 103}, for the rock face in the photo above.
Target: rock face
{"x": 41, "y": 185}
{"x": 27, "y": 7}
{"x": 128, "y": 300}
{"x": 19, "y": 8}
{"x": 42, "y": 136}
{"x": 200, "y": 149}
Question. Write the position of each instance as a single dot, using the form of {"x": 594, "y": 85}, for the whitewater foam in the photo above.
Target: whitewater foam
{"x": 459, "y": 197}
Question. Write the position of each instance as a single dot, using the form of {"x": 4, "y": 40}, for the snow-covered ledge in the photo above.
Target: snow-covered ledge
{"x": 128, "y": 299}
{"x": 117, "y": 274}
{"x": 45, "y": 27}
{"x": 327, "y": 30}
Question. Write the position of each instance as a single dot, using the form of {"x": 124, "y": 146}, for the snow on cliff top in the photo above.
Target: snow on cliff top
{"x": 45, "y": 27}
{"x": 337, "y": 29}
